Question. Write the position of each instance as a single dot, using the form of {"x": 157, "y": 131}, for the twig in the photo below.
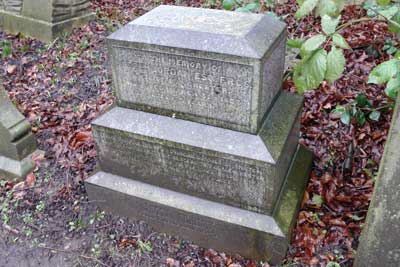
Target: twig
{"x": 10, "y": 229}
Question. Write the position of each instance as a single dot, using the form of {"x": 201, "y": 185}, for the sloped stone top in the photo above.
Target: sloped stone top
{"x": 232, "y": 33}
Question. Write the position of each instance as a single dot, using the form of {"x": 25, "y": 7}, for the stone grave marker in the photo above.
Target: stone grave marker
{"x": 380, "y": 240}
{"x": 17, "y": 143}
{"x": 203, "y": 144}
{"x": 43, "y": 19}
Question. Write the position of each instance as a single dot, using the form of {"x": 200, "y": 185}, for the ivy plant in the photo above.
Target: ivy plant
{"x": 317, "y": 64}
{"x": 319, "y": 7}
{"x": 360, "y": 109}
{"x": 243, "y": 6}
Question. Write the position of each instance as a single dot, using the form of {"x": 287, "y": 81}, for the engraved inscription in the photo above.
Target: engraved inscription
{"x": 11, "y": 5}
{"x": 196, "y": 86}
{"x": 235, "y": 182}
{"x": 66, "y": 9}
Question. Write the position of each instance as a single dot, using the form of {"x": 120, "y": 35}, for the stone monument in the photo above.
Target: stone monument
{"x": 202, "y": 143}
{"x": 17, "y": 143}
{"x": 43, "y": 19}
{"x": 380, "y": 240}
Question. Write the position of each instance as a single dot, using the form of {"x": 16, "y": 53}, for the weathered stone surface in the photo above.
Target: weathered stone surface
{"x": 380, "y": 240}
{"x": 219, "y": 164}
{"x": 14, "y": 6}
{"x": 55, "y": 10}
{"x": 44, "y": 19}
{"x": 17, "y": 143}
{"x": 210, "y": 66}
{"x": 208, "y": 223}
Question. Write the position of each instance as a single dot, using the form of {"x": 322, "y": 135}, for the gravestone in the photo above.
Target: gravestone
{"x": 17, "y": 143}
{"x": 202, "y": 143}
{"x": 380, "y": 240}
{"x": 43, "y": 19}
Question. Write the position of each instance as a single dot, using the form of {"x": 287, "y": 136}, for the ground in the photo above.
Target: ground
{"x": 63, "y": 85}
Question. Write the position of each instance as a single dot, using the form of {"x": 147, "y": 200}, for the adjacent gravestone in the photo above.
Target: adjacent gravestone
{"x": 17, "y": 143}
{"x": 203, "y": 144}
{"x": 43, "y": 19}
{"x": 380, "y": 240}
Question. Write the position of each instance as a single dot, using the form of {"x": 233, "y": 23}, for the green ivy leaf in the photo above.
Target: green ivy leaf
{"x": 312, "y": 44}
{"x": 317, "y": 201}
{"x": 392, "y": 87}
{"x": 310, "y": 72}
{"x": 361, "y": 100}
{"x": 329, "y": 7}
{"x": 305, "y": 8}
{"x": 383, "y": 2}
{"x": 335, "y": 64}
{"x": 228, "y": 4}
{"x": 339, "y": 41}
{"x": 339, "y": 109}
{"x": 374, "y": 115}
{"x": 384, "y": 71}
{"x": 252, "y": 6}
{"x": 333, "y": 264}
{"x": 389, "y": 12}
{"x": 345, "y": 118}
{"x": 329, "y": 24}
{"x": 295, "y": 43}
{"x": 360, "y": 117}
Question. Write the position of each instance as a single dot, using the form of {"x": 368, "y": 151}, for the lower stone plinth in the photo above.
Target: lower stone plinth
{"x": 208, "y": 223}
{"x": 15, "y": 169}
{"x": 39, "y": 29}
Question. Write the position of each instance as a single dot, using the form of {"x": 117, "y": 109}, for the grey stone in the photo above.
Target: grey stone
{"x": 208, "y": 223}
{"x": 380, "y": 240}
{"x": 43, "y": 19}
{"x": 203, "y": 143}
{"x": 218, "y": 164}
{"x": 17, "y": 143}
{"x": 210, "y": 66}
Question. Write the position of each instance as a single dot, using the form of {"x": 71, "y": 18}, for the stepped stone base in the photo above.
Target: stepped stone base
{"x": 42, "y": 30}
{"x": 234, "y": 168}
{"x": 15, "y": 169}
{"x": 208, "y": 223}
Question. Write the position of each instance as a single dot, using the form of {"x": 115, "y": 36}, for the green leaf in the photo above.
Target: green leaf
{"x": 383, "y": 2}
{"x": 335, "y": 64}
{"x": 356, "y": 218}
{"x": 242, "y": 9}
{"x": 361, "y": 100}
{"x": 228, "y": 4}
{"x": 384, "y": 71}
{"x": 252, "y": 6}
{"x": 389, "y": 12}
{"x": 310, "y": 72}
{"x": 317, "y": 201}
{"x": 392, "y": 27}
{"x": 392, "y": 87}
{"x": 339, "y": 109}
{"x": 345, "y": 118}
{"x": 312, "y": 44}
{"x": 305, "y": 8}
{"x": 295, "y": 43}
{"x": 339, "y": 41}
{"x": 329, "y": 7}
{"x": 329, "y": 24}
{"x": 272, "y": 14}
{"x": 360, "y": 117}
{"x": 333, "y": 264}
{"x": 374, "y": 115}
